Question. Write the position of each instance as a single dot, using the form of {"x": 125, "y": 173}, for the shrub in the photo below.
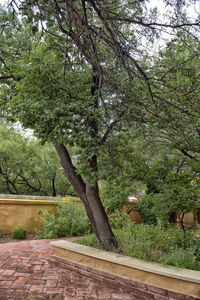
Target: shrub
{"x": 50, "y": 228}
{"x": 146, "y": 210}
{"x": 1, "y": 233}
{"x": 90, "y": 241}
{"x": 118, "y": 219}
{"x": 184, "y": 258}
{"x": 19, "y": 234}
{"x": 71, "y": 220}
{"x": 154, "y": 243}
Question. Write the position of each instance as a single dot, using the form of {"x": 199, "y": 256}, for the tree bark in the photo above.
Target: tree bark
{"x": 89, "y": 195}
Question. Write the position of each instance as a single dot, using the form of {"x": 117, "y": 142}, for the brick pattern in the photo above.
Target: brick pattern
{"x": 131, "y": 289}
{"x": 28, "y": 271}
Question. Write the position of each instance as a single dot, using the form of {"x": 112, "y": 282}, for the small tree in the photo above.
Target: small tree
{"x": 179, "y": 194}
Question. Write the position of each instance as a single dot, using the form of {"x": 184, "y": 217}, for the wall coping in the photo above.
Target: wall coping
{"x": 156, "y": 268}
{"x": 26, "y": 197}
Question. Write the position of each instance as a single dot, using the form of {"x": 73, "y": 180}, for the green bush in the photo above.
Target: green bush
{"x": 118, "y": 219}
{"x": 146, "y": 210}
{"x": 154, "y": 243}
{"x": 184, "y": 258}
{"x": 90, "y": 241}
{"x": 1, "y": 233}
{"x": 71, "y": 220}
{"x": 19, "y": 234}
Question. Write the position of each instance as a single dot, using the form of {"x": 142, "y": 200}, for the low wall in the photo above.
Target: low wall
{"x": 144, "y": 280}
{"x": 22, "y": 211}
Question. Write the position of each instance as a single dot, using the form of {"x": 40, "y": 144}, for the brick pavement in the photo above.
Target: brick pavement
{"x": 25, "y": 273}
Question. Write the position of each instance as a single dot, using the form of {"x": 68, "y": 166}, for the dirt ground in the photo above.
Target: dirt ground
{"x": 8, "y": 238}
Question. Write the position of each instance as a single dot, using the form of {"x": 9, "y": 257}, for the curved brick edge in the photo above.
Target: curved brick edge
{"x": 140, "y": 290}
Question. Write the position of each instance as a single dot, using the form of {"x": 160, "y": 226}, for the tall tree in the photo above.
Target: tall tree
{"x": 85, "y": 78}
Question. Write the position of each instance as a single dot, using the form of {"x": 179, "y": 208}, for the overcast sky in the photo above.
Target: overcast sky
{"x": 194, "y": 9}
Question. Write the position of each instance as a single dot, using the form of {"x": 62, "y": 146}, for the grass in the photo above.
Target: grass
{"x": 157, "y": 244}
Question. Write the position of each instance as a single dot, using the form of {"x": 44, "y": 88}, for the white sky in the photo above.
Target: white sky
{"x": 194, "y": 9}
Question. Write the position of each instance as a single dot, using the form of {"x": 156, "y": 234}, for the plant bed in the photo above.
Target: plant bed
{"x": 152, "y": 280}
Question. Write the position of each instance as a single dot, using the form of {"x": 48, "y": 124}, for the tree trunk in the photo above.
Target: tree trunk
{"x": 53, "y": 186}
{"x": 89, "y": 195}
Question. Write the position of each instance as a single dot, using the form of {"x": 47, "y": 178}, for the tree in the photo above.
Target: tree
{"x": 28, "y": 168}
{"x": 85, "y": 84}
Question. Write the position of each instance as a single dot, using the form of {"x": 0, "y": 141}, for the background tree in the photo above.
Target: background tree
{"x": 28, "y": 168}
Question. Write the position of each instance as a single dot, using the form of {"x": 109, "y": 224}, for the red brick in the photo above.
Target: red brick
{"x": 37, "y": 263}
{"x": 21, "y": 274}
{"x": 83, "y": 292}
{"x": 121, "y": 296}
{"x": 137, "y": 297}
{"x": 70, "y": 292}
{"x": 4, "y": 297}
{"x": 143, "y": 293}
{"x": 67, "y": 298}
{"x": 51, "y": 283}
{"x": 47, "y": 277}
{"x": 34, "y": 296}
{"x": 6, "y": 277}
{"x": 36, "y": 267}
{"x": 191, "y": 298}
{"x": 157, "y": 290}
{"x": 97, "y": 277}
{"x": 35, "y": 281}
{"x": 56, "y": 297}
{"x": 174, "y": 295}
{"x": 91, "y": 298}
{"x": 71, "y": 268}
{"x": 53, "y": 290}
{"x": 109, "y": 281}
{"x": 84, "y": 273}
{"x": 21, "y": 280}
{"x": 5, "y": 292}
{"x": 104, "y": 274}
{"x": 5, "y": 284}
{"x": 125, "y": 287}
{"x": 81, "y": 285}
{"x": 160, "y": 297}
{"x": 8, "y": 272}
{"x": 139, "y": 284}
{"x": 20, "y": 294}
{"x": 36, "y": 288}
{"x": 18, "y": 286}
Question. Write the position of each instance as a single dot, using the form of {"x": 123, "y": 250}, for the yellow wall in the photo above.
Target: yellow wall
{"x": 23, "y": 213}
{"x": 136, "y": 217}
{"x": 134, "y": 214}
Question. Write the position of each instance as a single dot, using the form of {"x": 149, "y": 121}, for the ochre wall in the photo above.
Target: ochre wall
{"x": 23, "y": 213}
{"x": 134, "y": 213}
{"x": 136, "y": 217}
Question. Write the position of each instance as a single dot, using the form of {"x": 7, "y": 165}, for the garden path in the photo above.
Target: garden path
{"x": 25, "y": 273}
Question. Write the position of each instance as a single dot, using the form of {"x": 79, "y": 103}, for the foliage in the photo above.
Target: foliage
{"x": 90, "y": 241}
{"x": 70, "y": 220}
{"x": 118, "y": 219}
{"x": 19, "y": 234}
{"x": 89, "y": 97}
{"x": 1, "y": 233}
{"x": 29, "y": 168}
{"x": 172, "y": 189}
{"x": 146, "y": 209}
{"x": 153, "y": 243}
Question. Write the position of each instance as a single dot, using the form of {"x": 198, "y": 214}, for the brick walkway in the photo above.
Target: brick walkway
{"x": 25, "y": 273}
